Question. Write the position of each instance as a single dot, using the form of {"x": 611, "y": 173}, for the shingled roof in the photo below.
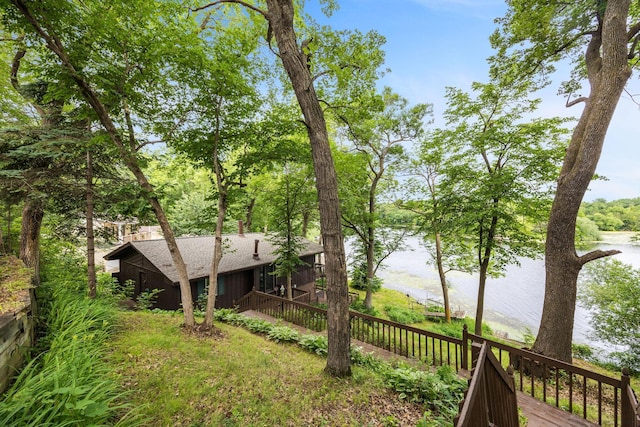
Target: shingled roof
{"x": 197, "y": 253}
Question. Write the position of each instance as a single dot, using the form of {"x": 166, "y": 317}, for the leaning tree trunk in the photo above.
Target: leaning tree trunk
{"x": 32, "y": 215}
{"x": 280, "y": 16}
{"x": 54, "y": 43}
{"x": 608, "y": 71}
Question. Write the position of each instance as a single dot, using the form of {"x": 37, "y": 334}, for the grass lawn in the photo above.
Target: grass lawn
{"x": 242, "y": 380}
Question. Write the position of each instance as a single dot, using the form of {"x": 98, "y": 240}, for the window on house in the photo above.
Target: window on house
{"x": 220, "y": 285}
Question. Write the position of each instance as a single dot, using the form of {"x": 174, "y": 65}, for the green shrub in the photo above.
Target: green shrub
{"x": 317, "y": 344}
{"x": 369, "y": 360}
{"x": 582, "y": 351}
{"x": 283, "y": 333}
{"x": 358, "y": 305}
{"x": 148, "y": 298}
{"x": 403, "y": 315}
{"x": 440, "y": 390}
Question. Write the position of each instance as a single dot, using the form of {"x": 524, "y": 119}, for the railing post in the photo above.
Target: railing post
{"x": 465, "y": 347}
{"x": 627, "y": 410}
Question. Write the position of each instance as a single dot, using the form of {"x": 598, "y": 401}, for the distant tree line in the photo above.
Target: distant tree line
{"x": 616, "y": 215}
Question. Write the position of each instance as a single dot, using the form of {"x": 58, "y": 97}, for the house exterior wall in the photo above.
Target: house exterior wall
{"x": 145, "y": 275}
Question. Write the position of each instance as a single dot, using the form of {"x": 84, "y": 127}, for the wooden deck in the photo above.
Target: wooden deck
{"x": 540, "y": 414}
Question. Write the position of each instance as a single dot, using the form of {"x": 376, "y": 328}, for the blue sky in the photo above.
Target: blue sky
{"x": 432, "y": 44}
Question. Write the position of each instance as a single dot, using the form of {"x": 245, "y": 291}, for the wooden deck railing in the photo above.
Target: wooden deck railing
{"x": 395, "y": 337}
{"x": 593, "y": 396}
{"x": 630, "y": 406}
{"x": 491, "y": 396}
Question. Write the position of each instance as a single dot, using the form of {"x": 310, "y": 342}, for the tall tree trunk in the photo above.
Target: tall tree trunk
{"x": 249, "y": 217}
{"x": 280, "y": 15}
{"x": 608, "y": 71}
{"x": 91, "y": 249}
{"x": 127, "y": 153}
{"x": 443, "y": 278}
{"x": 222, "y": 211}
{"x": 9, "y": 221}
{"x": 32, "y": 214}
{"x": 370, "y": 248}
{"x": 306, "y": 218}
{"x": 484, "y": 258}
{"x": 482, "y": 282}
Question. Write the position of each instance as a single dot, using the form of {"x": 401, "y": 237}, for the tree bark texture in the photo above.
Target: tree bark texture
{"x": 608, "y": 71}
{"x": 280, "y": 16}
{"x": 55, "y": 45}
{"x": 32, "y": 214}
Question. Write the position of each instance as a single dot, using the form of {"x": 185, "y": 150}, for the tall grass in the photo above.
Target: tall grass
{"x": 68, "y": 382}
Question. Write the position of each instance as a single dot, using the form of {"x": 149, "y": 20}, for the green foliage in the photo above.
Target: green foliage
{"x": 360, "y": 281}
{"x": 617, "y": 215}
{"x": 586, "y": 230}
{"x": 369, "y": 360}
{"x": 283, "y": 334}
{"x": 318, "y": 344}
{"x": 403, "y": 315}
{"x": 358, "y": 305}
{"x": 611, "y": 289}
{"x": 454, "y": 329}
{"x": 148, "y": 298}
{"x": 582, "y": 351}
{"x": 70, "y": 383}
{"x": 441, "y": 390}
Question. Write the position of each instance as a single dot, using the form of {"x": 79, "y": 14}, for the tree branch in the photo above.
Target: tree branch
{"x": 633, "y": 30}
{"x": 594, "y": 255}
{"x": 240, "y": 2}
{"x": 576, "y": 101}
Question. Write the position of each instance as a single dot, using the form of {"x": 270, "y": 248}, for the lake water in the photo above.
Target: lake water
{"x": 513, "y": 303}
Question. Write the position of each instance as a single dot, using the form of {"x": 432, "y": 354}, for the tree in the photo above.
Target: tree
{"x": 287, "y": 200}
{"x": 433, "y": 199}
{"x": 297, "y": 60}
{"x": 601, "y": 39}
{"x": 376, "y": 140}
{"x": 499, "y": 174}
{"x": 611, "y": 290}
{"x": 119, "y": 68}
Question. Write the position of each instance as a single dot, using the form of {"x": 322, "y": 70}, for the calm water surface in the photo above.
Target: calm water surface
{"x": 513, "y": 303}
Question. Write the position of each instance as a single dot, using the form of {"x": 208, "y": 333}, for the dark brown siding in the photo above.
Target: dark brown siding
{"x": 236, "y": 285}
{"x": 306, "y": 273}
{"x": 145, "y": 276}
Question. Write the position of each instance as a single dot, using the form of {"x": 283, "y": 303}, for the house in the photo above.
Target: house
{"x": 246, "y": 265}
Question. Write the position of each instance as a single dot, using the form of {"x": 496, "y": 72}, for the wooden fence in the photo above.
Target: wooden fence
{"x": 17, "y": 334}
{"x": 595, "y": 397}
{"x": 491, "y": 396}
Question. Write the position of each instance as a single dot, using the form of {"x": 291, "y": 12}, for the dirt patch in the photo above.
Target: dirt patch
{"x": 200, "y": 330}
